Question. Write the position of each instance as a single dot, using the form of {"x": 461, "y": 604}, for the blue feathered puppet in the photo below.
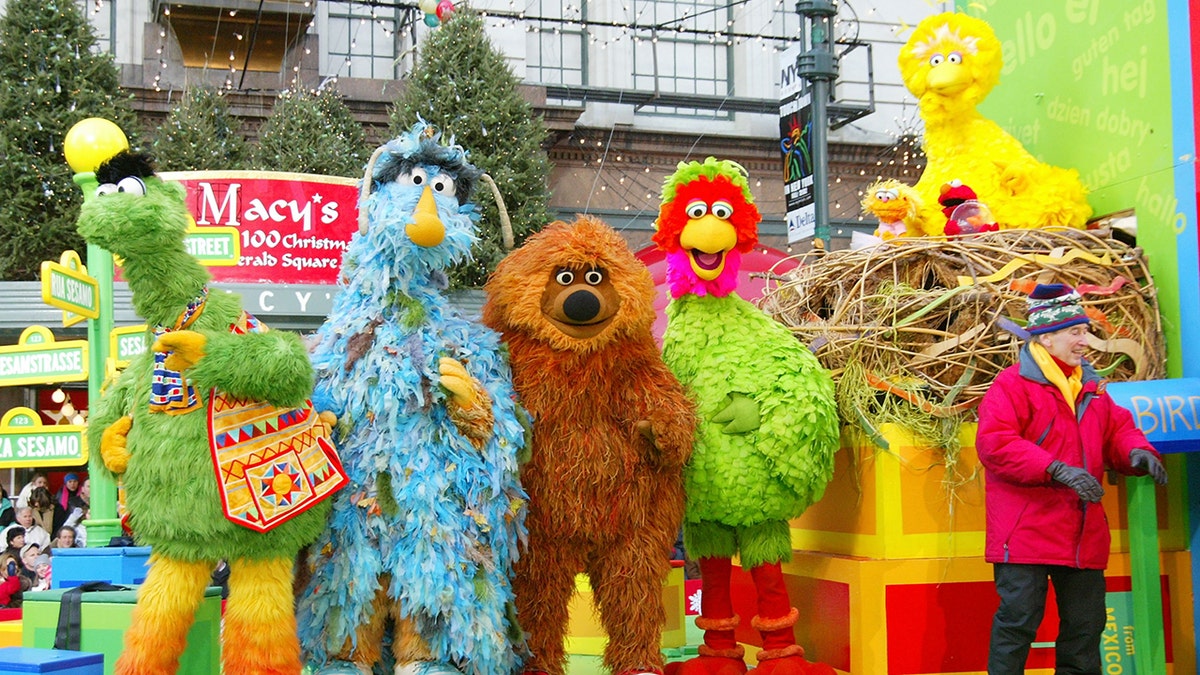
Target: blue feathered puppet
{"x": 423, "y": 538}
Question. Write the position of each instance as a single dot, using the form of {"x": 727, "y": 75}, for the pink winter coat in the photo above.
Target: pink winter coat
{"x": 1024, "y": 425}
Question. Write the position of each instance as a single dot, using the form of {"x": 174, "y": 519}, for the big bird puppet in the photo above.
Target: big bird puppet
{"x": 420, "y": 544}
{"x": 222, "y": 457}
{"x": 612, "y": 430}
{"x": 950, "y": 63}
{"x": 768, "y": 422}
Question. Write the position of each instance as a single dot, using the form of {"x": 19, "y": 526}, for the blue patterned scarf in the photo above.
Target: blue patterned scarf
{"x": 170, "y": 391}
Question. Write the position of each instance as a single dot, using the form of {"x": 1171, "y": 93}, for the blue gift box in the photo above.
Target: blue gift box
{"x": 15, "y": 660}
{"x": 116, "y": 565}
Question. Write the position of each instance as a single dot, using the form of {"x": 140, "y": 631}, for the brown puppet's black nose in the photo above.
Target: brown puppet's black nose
{"x": 581, "y": 306}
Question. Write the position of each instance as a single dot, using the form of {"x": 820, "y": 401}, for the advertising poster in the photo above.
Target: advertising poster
{"x": 795, "y": 134}
{"x": 270, "y": 228}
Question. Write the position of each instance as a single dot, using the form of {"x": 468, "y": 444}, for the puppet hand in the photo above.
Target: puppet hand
{"x": 646, "y": 430}
{"x": 186, "y": 347}
{"x": 1144, "y": 459}
{"x": 112, "y": 445}
{"x": 1083, "y": 483}
{"x": 740, "y": 415}
{"x": 326, "y": 421}
{"x": 457, "y": 381}
{"x": 469, "y": 405}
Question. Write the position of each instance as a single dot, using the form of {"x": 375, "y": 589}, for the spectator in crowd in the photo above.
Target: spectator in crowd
{"x": 34, "y": 534}
{"x": 75, "y": 520}
{"x": 14, "y": 539}
{"x": 38, "y": 480}
{"x": 64, "y": 538}
{"x": 46, "y": 512}
{"x": 12, "y": 583}
{"x": 8, "y": 513}
{"x": 43, "y": 570}
{"x": 29, "y": 553}
{"x": 67, "y": 496}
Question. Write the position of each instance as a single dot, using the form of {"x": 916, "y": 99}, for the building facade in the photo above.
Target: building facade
{"x": 627, "y": 88}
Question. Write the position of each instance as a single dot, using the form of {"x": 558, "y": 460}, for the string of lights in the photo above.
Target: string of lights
{"x": 765, "y": 23}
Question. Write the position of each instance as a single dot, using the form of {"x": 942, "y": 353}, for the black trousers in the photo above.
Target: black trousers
{"x": 1081, "y": 613}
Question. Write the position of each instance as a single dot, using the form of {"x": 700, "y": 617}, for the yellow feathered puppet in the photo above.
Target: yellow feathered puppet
{"x": 950, "y": 63}
{"x": 898, "y": 208}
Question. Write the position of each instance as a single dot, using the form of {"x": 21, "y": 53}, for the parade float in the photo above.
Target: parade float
{"x": 915, "y": 326}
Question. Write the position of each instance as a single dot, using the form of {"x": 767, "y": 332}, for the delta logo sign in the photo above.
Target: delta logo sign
{"x": 265, "y": 227}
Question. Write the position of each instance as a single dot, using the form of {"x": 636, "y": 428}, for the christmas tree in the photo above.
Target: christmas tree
{"x": 199, "y": 134}
{"x": 50, "y": 78}
{"x": 311, "y": 132}
{"x": 463, "y": 86}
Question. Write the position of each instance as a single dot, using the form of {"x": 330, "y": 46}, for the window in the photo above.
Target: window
{"x": 104, "y": 20}
{"x": 556, "y": 45}
{"x": 686, "y": 54}
{"x": 361, "y": 41}
{"x": 785, "y": 21}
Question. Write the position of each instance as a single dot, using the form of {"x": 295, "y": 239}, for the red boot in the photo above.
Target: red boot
{"x": 720, "y": 654}
{"x": 780, "y": 654}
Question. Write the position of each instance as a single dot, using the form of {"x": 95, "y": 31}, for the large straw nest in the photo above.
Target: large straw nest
{"x": 915, "y": 330}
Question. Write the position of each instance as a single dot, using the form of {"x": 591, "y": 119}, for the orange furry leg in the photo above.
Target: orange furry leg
{"x": 166, "y": 607}
{"x": 260, "y": 621}
{"x": 627, "y": 587}
{"x": 409, "y": 646}
{"x": 366, "y": 647}
{"x": 544, "y": 581}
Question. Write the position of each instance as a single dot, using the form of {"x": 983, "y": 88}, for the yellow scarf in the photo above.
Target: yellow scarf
{"x": 1069, "y": 386}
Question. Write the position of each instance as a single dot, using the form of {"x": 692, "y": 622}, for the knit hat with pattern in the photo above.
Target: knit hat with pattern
{"x": 1053, "y": 307}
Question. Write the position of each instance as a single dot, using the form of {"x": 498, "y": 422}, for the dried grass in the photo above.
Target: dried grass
{"x": 915, "y": 330}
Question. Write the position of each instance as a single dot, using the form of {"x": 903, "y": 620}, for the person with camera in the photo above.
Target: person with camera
{"x": 12, "y": 582}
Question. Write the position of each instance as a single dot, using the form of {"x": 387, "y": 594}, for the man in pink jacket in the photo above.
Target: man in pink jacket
{"x": 1047, "y": 432}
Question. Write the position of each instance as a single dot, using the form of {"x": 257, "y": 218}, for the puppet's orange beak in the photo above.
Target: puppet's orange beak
{"x": 426, "y": 229}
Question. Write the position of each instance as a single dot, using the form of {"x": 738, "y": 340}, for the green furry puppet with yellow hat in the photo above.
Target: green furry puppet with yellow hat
{"x": 221, "y": 454}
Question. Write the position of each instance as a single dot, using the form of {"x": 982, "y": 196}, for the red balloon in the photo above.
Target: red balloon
{"x": 444, "y": 8}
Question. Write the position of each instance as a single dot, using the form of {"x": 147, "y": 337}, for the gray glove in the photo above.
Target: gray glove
{"x": 1083, "y": 483}
{"x": 1140, "y": 458}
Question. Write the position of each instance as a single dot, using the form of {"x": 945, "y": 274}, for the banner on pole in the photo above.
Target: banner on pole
{"x": 795, "y": 144}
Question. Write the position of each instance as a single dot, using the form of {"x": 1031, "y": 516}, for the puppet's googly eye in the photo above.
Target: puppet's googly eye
{"x": 954, "y": 57}
{"x": 722, "y": 210}
{"x": 593, "y": 277}
{"x": 415, "y": 178}
{"x": 936, "y": 60}
{"x": 132, "y": 185}
{"x": 106, "y": 189}
{"x": 696, "y": 209}
{"x": 565, "y": 277}
{"x": 443, "y": 185}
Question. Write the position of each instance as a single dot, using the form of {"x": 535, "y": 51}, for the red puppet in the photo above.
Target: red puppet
{"x": 965, "y": 214}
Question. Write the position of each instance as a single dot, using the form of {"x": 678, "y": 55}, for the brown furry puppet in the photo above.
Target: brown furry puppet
{"x": 612, "y": 430}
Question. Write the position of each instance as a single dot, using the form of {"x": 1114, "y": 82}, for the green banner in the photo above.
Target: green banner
{"x": 1116, "y": 643}
{"x": 1089, "y": 88}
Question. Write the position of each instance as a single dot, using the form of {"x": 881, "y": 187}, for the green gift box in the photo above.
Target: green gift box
{"x": 104, "y": 617}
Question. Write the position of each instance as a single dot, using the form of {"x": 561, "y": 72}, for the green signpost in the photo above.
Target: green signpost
{"x": 214, "y": 246}
{"x": 25, "y": 441}
{"x": 38, "y": 359}
{"x": 66, "y": 285}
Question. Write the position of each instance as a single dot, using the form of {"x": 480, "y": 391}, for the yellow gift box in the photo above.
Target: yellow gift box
{"x": 585, "y": 635}
{"x": 898, "y": 503}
